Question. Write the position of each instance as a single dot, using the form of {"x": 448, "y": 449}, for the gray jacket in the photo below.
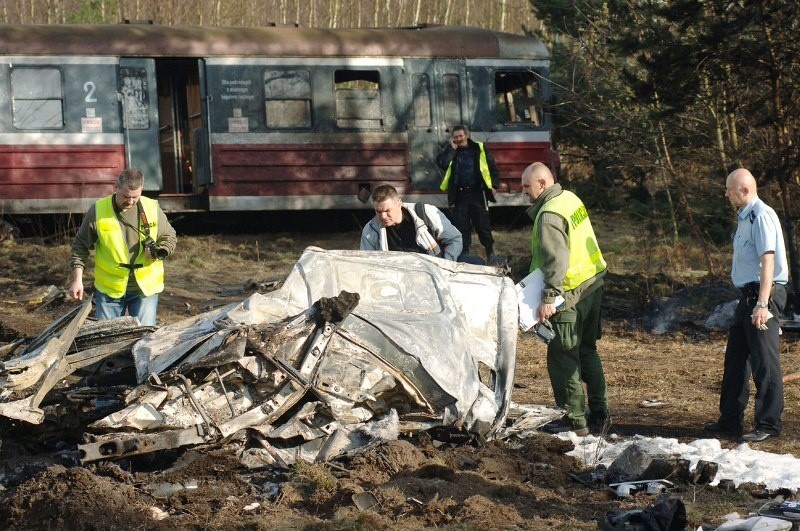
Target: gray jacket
{"x": 440, "y": 238}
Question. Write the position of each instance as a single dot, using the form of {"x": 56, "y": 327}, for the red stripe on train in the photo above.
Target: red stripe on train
{"x": 292, "y": 169}
{"x": 51, "y": 172}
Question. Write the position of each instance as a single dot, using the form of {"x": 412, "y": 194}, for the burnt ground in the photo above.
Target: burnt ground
{"x": 655, "y": 347}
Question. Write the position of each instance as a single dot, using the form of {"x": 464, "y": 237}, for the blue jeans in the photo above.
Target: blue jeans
{"x": 137, "y": 305}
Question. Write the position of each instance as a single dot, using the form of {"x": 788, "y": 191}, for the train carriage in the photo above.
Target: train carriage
{"x": 275, "y": 118}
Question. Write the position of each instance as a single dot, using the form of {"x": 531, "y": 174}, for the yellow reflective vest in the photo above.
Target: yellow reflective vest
{"x": 112, "y": 258}
{"x": 483, "y": 165}
{"x": 585, "y": 258}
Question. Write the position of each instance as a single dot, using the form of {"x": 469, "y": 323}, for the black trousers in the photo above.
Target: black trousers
{"x": 753, "y": 352}
{"x": 470, "y": 211}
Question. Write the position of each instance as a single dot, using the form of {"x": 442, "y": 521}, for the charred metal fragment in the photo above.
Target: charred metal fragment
{"x": 96, "y": 333}
{"x": 354, "y": 348}
{"x": 9, "y": 349}
{"x": 25, "y": 372}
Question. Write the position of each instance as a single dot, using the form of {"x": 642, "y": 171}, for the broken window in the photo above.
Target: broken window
{"x": 287, "y": 95}
{"x": 422, "y": 100}
{"x": 135, "y": 103}
{"x": 358, "y": 99}
{"x": 518, "y": 97}
{"x": 38, "y": 98}
{"x": 451, "y": 88}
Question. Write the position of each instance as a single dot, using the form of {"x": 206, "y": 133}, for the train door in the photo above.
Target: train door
{"x": 423, "y": 140}
{"x": 438, "y": 91}
{"x": 138, "y": 96}
{"x": 182, "y": 125}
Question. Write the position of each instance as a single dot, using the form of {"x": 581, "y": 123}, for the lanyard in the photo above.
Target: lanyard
{"x": 145, "y": 231}
{"x": 143, "y": 218}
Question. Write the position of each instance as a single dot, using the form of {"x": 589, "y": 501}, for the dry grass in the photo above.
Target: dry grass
{"x": 682, "y": 367}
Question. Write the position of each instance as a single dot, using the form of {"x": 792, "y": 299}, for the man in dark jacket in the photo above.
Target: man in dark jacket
{"x": 470, "y": 179}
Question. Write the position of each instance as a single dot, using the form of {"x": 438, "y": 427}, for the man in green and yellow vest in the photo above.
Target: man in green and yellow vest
{"x": 565, "y": 248}
{"x": 470, "y": 179}
{"x": 131, "y": 236}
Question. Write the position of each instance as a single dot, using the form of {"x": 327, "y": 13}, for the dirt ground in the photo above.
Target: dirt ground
{"x": 655, "y": 347}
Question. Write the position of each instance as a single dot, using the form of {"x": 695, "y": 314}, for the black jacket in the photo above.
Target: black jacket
{"x": 448, "y": 154}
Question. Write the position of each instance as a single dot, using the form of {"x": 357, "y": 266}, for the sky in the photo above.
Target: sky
{"x": 743, "y": 463}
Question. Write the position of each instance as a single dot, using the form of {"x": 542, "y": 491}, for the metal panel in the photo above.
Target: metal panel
{"x": 139, "y": 101}
{"x": 58, "y": 60}
{"x": 451, "y": 99}
{"x": 185, "y": 41}
{"x": 57, "y": 172}
{"x": 201, "y": 140}
{"x": 425, "y": 133}
{"x": 58, "y": 138}
{"x": 307, "y": 169}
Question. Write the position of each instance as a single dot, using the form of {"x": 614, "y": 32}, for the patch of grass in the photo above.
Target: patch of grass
{"x": 709, "y": 505}
{"x": 314, "y": 476}
{"x": 391, "y": 496}
{"x": 349, "y": 519}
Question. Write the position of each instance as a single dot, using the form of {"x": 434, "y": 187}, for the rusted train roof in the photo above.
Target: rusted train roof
{"x": 194, "y": 41}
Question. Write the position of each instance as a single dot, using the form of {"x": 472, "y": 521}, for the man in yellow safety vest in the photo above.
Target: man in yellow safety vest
{"x": 470, "y": 179}
{"x": 565, "y": 248}
{"x": 131, "y": 236}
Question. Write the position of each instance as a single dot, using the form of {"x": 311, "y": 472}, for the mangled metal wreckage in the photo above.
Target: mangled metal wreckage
{"x": 354, "y": 347}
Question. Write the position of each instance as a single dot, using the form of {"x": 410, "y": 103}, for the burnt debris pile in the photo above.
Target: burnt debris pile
{"x": 354, "y": 348}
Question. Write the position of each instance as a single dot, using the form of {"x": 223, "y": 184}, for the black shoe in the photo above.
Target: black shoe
{"x": 563, "y": 426}
{"x": 757, "y": 436}
{"x": 598, "y": 423}
{"x": 716, "y": 427}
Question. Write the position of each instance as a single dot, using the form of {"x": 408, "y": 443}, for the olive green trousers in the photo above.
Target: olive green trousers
{"x": 572, "y": 360}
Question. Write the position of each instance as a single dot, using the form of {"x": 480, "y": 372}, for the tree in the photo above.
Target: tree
{"x": 713, "y": 81}
{"x": 93, "y": 12}
{"x": 748, "y": 53}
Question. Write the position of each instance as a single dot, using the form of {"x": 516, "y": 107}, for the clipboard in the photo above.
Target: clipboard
{"x": 529, "y": 297}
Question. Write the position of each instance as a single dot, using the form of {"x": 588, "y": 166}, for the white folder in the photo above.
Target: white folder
{"x": 529, "y": 297}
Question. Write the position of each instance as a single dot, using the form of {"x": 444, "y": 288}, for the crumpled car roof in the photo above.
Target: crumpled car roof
{"x": 353, "y": 346}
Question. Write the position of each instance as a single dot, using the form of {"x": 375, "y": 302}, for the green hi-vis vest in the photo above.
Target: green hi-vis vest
{"x": 482, "y": 164}
{"x": 111, "y": 250}
{"x": 585, "y": 258}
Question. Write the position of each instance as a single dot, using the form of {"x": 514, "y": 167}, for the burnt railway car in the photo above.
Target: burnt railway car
{"x": 276, "y": 118}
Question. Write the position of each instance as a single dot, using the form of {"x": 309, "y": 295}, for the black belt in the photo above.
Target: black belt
{"x": 753, "y": 289}
{"x": 131, "y": 266}
{"x": 468, "y": 189}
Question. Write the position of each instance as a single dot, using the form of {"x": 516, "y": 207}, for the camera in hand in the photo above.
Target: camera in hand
{"x": 544, "y": 331}
{"x": 155, "y": 251}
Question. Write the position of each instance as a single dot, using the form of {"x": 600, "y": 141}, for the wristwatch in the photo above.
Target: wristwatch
{"x": 760, "y": 304}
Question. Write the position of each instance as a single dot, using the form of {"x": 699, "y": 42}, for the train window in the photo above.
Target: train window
{"x": 422, "y": 100}
{"x": 38, "y": 98}
{"x": 358, "y": 99}
{"x": 287, "y": 95}
{"x": 451, "y": 88}
{"x": 518, "y": 97}
{"x": 134, "y": 98}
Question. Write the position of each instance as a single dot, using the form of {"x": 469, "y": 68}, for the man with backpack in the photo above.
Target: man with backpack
{"x": 416, "y": 228}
